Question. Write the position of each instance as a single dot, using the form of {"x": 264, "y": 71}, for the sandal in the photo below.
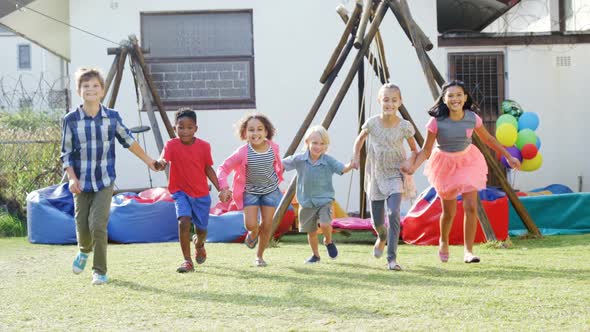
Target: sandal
{"x": 249, "y": 242}
{"x": 444, "y": 257}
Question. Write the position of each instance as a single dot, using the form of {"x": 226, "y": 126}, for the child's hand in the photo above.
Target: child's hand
{"x": 354, "y": 163}
{"x": 74, "y": 186}
{"x": 513, "y": 162}
{"x": 225, "y": 195}
{"x": 160, "y": 165}
{"x": 407, "y": 167}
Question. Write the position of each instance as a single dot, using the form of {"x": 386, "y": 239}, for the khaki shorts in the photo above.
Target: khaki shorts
{"x": 309, "y": 217}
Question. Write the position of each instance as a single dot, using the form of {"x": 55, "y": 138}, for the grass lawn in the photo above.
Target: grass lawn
{"x": 535, "y": 285}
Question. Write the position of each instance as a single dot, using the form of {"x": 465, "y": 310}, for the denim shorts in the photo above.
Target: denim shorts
{"x": 197, "y": 208}
{"x": 272, "y": 199}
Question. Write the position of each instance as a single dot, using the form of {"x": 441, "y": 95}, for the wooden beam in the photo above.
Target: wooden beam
{"x": 110, "y": 76}
{"x": 151, "y": 86}
{"x": 345, "y": 35}
{"x": 395, "y": 9}
{"x": 118, "y": 78}
{"x": 481, "y": 39}
{"x": 363, "y": 155}
{"x": 360, "y": 32}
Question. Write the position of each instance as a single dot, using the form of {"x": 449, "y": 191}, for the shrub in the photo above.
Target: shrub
{"x": 11, "y": 226}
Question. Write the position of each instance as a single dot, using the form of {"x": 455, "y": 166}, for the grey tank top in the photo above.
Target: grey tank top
{"x": 455, "y": 136}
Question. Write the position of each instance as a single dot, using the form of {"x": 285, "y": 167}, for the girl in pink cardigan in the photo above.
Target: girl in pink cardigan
{"x": 257, "y": 171}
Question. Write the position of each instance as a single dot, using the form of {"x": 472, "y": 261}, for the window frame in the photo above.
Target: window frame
{"x": 207, "y": 104}
{"x": 18, "y": 57}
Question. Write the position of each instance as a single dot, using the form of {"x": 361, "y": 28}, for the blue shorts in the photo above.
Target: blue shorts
{"x": 272, "y": 199}
{"x": 195, "y": 208}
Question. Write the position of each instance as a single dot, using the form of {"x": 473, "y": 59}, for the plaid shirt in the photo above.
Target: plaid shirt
{"x": 88, "y": 146}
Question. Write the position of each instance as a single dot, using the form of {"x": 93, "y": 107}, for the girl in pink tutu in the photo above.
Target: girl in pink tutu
{"x": 385, "y": 184}
{"x": 456, "y": 166}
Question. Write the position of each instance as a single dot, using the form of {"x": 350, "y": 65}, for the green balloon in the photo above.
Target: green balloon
{"x": 525, "y": 136}
{"x": 507, "y": 118}
{"x": 511, "y": 107}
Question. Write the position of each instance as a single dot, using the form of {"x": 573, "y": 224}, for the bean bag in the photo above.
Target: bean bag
{"x": 421, "y": 224}
{"x": 50, "y": 216}
{"x": 145, "y": 217}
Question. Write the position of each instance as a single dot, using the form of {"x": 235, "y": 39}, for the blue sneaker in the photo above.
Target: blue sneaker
{"x": 312, "y": 260}
{"x": 79, "y": 263}
{"x": 99, "y": 279}
{"x": 332, "y": 250}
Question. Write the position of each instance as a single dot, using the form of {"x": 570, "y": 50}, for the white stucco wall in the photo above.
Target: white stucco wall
{"x": 293, "y": 41}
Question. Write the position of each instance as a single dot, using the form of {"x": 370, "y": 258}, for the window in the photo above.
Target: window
{"x": 24, "y": 56}
{"x": 204, "y": 60}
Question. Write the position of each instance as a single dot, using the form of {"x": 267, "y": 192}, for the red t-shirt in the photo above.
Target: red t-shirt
{"x": 187, "y": 166}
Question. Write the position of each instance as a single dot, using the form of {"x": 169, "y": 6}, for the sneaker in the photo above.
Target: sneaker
{"x": 260, "y": 262}
{"x": 99, "y": 279}
{"x": 79, "y": 263}
{"x": 312, "y": 260}
{"x": 332, "y": 250}
{"x": 394, "y": 266}
{"x": 186, "y": 266}
{"x": 200, "y": 252}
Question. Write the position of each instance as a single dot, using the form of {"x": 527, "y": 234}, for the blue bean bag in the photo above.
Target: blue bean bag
{"x": 50, "y": 216}
{"x": 147, "y": 217}
{"x": 228, "y": 227}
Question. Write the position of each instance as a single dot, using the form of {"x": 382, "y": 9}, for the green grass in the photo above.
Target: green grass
{"x": 534, "y": 285}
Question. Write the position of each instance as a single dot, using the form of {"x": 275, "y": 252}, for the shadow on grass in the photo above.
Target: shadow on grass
{"x": 247, "y": 299}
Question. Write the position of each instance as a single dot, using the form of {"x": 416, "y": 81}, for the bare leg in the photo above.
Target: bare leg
{"x": 267, "y": 213}
{"x": 470, "y": 221}
{"x": 251, "y": 220}
{"x": 184, "y": 234}
{"x": 312, "y": 238}
{"x": 446, "y": 222}
{"x": 327, "y": 231}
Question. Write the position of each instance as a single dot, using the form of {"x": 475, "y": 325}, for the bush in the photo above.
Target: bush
{"x": 28, "y": 119}
{"x": 11, "y": 226}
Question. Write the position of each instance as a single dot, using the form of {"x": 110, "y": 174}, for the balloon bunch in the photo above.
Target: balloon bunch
{"x": 515, "y": 129}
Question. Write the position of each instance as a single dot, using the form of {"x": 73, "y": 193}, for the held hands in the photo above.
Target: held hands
{"x": 158, "y": 165}
{"x": 354, "y": 163}
{"x": 225, "y": 195}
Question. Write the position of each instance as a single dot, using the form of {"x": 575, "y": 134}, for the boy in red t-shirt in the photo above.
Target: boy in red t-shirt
{"x": 190, "y": 166}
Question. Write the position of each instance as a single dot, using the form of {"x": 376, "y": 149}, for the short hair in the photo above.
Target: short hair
{"x": 86, "y": 74}
{"x": 243, "y": 124}
{"x": 319, "y": 130}
{"x": 388, "y": 86}
{"x": 185, "y": 112}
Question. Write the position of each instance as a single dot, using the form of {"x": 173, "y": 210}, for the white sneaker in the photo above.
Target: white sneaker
{"x": 99, "y": 279}
{"x": 394, "y": 266}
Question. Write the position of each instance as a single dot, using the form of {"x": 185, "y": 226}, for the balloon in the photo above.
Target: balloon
{"x": 506, "y": 134}
{"x": 529, "y": 165}
{"x": 513, "y": 150}
{"x": 525, "y": 136}
{"x": 529, "y": 151}
{"x": 507, "y": 118}
{"x": 538, "y": 144}
{"x": 511, "y": 107}
{"x": 528, "y": 120}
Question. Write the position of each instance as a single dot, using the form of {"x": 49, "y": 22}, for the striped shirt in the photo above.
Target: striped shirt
{"x": 88, "y": 146}
{"x": 261, "y": 177}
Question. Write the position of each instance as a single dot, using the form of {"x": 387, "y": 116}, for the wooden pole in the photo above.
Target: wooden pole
{"x": 395, "y": 9}
{"x": 109, "y": 79}
{"x": 360, "y": 32}
{"x": 118, "y": 78}
{"x": 147, "y": 103}
{"x": 380, "y": 13}
{"x": 360, "y": 77}
{"x": 151, "y": 86}
{"x": 345, "y": 35}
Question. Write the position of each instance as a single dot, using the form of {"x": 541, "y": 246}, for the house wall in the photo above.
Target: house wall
{"x": 45, "y": 67}
{"x": 292, "y": 42}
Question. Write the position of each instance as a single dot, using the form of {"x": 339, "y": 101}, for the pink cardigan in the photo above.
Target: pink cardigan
{"x": 237, "y": 163}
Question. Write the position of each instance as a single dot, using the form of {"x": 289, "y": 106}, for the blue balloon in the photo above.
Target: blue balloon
{"x": 528, "y": 120}
{"x": 538, "y": 144}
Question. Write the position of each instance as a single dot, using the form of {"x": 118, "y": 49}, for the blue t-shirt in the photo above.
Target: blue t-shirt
{"x": 314, "y": 180}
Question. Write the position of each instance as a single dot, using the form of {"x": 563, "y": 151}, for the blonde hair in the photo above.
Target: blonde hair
{"x": 320, "y": 131}
{"x": 388, "y": 86}
{"x": 86, "y": 74}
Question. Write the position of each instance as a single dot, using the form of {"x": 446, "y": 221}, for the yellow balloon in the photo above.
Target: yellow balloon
{"x": 529, "y": 165}
{"x": 506, "y": 134}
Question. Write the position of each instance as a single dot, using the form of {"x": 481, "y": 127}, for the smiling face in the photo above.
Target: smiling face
{"x": 91, "y": 90}
{"x": 186, "y": 128}
{"x": 256, "y": 132}
{"x": 390, "y": 100}
{"x": 316, "y": 145}
{"x": 455, "y": 98}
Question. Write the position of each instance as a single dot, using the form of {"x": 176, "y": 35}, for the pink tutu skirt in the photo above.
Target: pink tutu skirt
{"x": 453, "y": 173}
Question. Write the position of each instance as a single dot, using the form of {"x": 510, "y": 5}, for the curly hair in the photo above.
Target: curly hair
{"x": 243, "y": 124}
{"x": 185, "y": 112}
